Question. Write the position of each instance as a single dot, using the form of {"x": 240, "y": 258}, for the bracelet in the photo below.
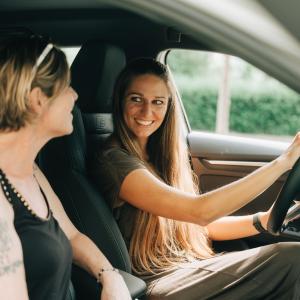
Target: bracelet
{"x": 102, "y": 270}
{"x": 257, "y": 224}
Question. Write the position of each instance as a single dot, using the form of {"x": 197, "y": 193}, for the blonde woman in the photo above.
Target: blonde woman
{"x": 145, "y": 174}
{"x": 37, "y": 240}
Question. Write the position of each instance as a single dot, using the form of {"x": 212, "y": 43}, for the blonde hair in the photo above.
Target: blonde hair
{"x": 18, "y": 76}
{"x": 158, "y": 243}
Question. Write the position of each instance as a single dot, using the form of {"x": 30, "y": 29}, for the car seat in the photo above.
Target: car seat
{"x": 64, "y": 162}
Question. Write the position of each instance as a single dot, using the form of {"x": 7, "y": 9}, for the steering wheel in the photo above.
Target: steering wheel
{"x": 288, "y": 193}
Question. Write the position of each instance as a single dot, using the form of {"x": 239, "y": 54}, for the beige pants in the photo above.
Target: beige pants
{"x": 268, "y": 272}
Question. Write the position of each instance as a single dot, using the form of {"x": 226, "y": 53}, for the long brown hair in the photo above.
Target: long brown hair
{"x": 159, "y": 243}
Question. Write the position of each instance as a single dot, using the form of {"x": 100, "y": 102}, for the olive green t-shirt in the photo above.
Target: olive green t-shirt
{"x": 109, "y": 171}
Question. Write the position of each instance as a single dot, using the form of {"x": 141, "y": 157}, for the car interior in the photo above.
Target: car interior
{"x": 108, "y": 37}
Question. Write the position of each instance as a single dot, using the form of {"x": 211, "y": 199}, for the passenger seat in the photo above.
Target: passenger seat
{"x": 64, "y": 162}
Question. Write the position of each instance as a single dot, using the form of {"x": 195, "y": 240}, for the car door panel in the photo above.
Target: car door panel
{"x": 219, "y": 160}
{"x": 227, "y": 147}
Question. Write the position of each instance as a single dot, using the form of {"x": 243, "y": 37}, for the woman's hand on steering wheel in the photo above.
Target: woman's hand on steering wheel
{"x": 290, "y": 190}
{"x": 292, "y": 153}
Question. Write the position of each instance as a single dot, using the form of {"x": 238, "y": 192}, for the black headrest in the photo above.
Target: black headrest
{"x": 94, "y": 72}
{"x": 67, "y": 152}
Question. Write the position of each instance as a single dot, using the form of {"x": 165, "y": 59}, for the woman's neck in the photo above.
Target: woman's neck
{"x": 18, "y": 151}
{"x": 143, "y": 147}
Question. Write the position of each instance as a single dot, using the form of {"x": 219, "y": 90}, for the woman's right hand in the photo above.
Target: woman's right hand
{"x": 114, "y": 287}
{"x": 292, "y": 153}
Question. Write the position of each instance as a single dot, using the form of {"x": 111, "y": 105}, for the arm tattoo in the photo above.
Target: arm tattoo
{"x": 8, "y": 263}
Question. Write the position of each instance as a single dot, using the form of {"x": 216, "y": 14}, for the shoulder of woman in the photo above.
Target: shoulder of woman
{"x": 116, "y": 155}
{"x": 116, "y": 163}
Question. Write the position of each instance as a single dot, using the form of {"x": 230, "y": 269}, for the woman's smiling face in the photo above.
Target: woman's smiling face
{"x": 146, "y": 103}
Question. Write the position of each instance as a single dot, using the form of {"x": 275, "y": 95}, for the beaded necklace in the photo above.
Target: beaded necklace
{"x": 9, "y": 189}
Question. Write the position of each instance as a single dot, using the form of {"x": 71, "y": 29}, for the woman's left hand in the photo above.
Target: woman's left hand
{"x": 114, "y": 287}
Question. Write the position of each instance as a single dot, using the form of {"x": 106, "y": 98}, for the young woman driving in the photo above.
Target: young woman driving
{"x": 145, "y": 173}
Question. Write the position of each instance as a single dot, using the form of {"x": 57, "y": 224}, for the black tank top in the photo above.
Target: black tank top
{"x": 46, "y": 249}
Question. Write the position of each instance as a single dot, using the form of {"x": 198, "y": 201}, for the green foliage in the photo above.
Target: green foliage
{"x": 200, "y": 106}
{"x": 194, "y": 63}
{"x": 265, "y": 112}
{"x": 257, "y": 111}
{"x": 259, "y": 103}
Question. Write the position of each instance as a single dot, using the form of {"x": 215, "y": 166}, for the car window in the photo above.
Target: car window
{"x": 70, "y": 53}
{"x": 225, "y": 94}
